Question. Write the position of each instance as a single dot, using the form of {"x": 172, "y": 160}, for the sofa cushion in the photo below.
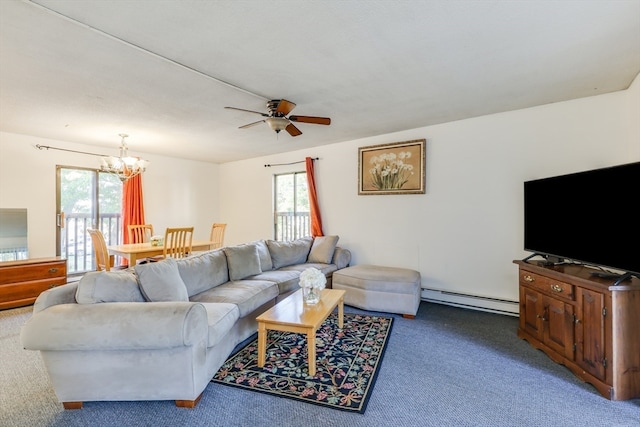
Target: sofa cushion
{"x": 203, "y": 271}
{"x": 322, "y": 249}
{"x": 287, "y": 280}
{"x": 161, "y": 281}
{"x": 265, "y": 256}
{"x": 243, "y": 261}
{"x": 248, "y": 295}
{"x": 324, "y": 268}
{"x": 108, "y": 286}
{"x": 221, "y": 318}
{"x": 288, "y": 253}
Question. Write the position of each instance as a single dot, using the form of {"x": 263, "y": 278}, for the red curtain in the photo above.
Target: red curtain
{"x": 132, "y": 206}
{"x": 316, "y": 221}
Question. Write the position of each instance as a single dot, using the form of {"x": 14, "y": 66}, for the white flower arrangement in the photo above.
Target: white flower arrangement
{"x": 312, "y": 278}
{"x": 390, "y": 172}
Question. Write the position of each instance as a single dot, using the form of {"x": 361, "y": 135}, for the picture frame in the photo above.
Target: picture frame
{"x": 395, "y": 168}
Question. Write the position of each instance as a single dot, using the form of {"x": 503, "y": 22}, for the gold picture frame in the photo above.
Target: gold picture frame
{"x": 396, "y": 168}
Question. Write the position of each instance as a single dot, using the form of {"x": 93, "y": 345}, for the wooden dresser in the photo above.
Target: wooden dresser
{"x": 584, "y": 323}
{"x": 22, "y": 281}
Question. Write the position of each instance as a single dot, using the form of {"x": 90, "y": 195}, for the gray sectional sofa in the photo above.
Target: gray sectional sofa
{"x": 161, "y": 331}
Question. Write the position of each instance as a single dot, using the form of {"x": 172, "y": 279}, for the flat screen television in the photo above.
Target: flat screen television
{"x": 587, "y": 217}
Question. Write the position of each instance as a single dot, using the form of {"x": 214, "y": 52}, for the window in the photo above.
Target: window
{"x": 291, "y": 206}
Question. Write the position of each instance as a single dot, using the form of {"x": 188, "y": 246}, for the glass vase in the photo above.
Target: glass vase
{"x": 311, "y": 295}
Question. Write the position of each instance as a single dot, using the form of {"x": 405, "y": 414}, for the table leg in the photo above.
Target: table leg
{"x": 341, "y": 313}
{"x": 311, "y": 350}
{"x": 262, "y": 344}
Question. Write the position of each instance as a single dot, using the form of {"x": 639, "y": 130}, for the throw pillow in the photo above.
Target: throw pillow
{"x": 322, "y": 249}
{"x": 289, "y": 253}
{"x": 265, "y": 256}
{"x": 161, "y": 281}
{"x": 108, "y": 286}
{"x": 243, "y": 261}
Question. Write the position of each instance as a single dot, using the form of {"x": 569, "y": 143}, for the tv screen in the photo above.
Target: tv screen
{"x": 589, "y": 217}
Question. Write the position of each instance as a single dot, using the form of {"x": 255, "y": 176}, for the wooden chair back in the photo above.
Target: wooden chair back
{"x": 140, "y": 233}
{"x": 104, "y": 261}
{"x": 177, "y": 242}
{"x": 217, "y": 235}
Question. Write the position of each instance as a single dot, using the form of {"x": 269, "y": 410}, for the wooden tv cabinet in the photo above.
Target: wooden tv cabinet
{"x": 22, "y": 281}
{"x": 584, "y": 323}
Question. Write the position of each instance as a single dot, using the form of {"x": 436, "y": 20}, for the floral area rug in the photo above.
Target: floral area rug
{"x": 347, "y": 363}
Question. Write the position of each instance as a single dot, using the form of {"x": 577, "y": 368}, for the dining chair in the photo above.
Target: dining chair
{"x": 140, "y": 233}
{"x": 177, "y": 242}
{"x": 104, "y": 261}
{"x": 217, "y": 235}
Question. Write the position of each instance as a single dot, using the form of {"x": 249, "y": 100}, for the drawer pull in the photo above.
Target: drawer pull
{"x": 53, "y": 270}
{"x": 556, "y": 288}
{"x": 528, "y": 278}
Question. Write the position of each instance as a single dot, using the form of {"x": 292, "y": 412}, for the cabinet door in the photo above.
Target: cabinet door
{"x": 558, "y": 326}
{"x": 531, "y": 312}
{"x": 590, "y": 336}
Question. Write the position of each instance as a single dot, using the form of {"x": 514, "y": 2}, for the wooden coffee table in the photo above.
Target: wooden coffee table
{"x": 293, "y": 315}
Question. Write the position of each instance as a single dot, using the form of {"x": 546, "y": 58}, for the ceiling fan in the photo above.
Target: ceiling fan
{"x": 277, "y": 118}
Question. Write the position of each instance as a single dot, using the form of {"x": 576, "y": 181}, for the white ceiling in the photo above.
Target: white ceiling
{"x": 85, "y": 71}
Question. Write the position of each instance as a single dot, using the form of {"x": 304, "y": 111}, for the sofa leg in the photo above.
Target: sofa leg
{"x": 188, "y": 403}
{"x": 72, "y": 405}
{"x": 408, "y": 316}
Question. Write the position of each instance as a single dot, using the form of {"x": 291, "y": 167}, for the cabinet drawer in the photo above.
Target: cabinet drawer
{"x": 24, "y": 273}
{"x": 547, "y": 285}
{"x": 27, "y": 290}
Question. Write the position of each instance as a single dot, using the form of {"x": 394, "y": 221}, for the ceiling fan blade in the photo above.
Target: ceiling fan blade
{"x": 285, "y": 107}
{"x": 247, "y": 111}
{"x": 311, "y": 119}
{"x": 293, "y": 131}
{"x": 251, "y": 124}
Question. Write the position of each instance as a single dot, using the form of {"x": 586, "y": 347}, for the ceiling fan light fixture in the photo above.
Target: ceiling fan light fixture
{"x": 277, "y": 123}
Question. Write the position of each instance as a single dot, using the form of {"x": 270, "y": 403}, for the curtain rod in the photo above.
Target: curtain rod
{"x": 47, "y": 147}
{"x": 292, "y": 163}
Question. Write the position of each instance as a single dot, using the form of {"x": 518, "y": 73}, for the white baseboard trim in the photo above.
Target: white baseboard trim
{"x": 492, "y": 305}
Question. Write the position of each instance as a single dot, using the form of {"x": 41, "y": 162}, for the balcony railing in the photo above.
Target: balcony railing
{"x": 76, "y": 245}
{"x": 78, "y": 250}
{"x": 291, "y": 226}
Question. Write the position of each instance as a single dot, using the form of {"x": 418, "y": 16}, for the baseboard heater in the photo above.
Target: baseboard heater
{"x": 475, "y": 302}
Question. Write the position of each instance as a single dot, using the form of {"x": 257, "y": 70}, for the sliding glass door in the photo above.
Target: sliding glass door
{"x": 86, "y": 198}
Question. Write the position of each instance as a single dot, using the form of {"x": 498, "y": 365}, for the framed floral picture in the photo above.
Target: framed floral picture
{"x": 396, "y": 168}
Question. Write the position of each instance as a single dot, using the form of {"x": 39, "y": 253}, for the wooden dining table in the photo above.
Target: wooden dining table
{"x": 135, "y": 251}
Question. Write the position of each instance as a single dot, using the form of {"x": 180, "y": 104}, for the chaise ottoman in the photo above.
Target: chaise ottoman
{"x": 386, "y": 289}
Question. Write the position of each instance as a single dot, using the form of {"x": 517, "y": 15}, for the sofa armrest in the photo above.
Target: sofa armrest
{"x": 65, "y": 294}
{"x": 341, "y": 257}
{"x": 116, "y": 326}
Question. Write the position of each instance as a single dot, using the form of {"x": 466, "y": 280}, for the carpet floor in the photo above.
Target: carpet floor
{"x": 447, "y": 367}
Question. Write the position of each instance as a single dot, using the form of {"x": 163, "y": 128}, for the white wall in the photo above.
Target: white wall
{"x": 464, "y": 232}
{"x": 461, "y": 235}
{"x": 176, "y": 192}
